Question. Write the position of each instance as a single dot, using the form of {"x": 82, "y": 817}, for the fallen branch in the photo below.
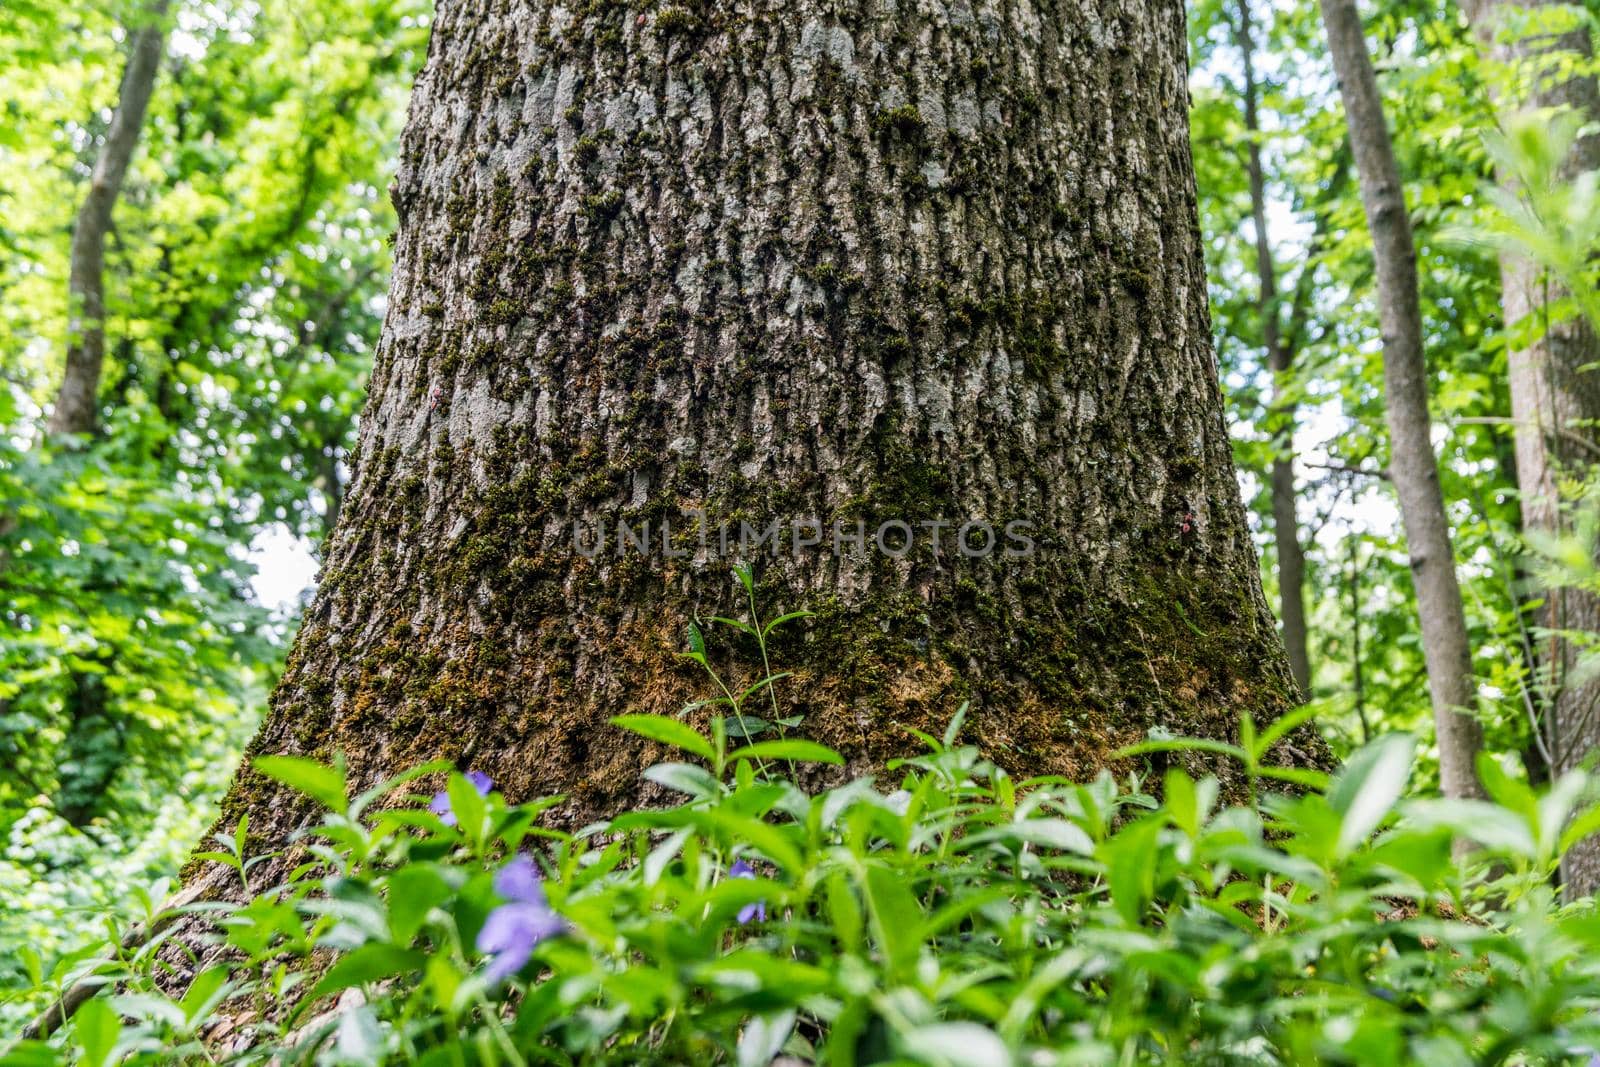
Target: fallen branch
{"x": 84, "y": 989}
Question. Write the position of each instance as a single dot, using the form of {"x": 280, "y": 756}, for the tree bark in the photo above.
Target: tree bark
{"x": 1280, "y": 360}
{"x": 1413, "y": 466}
{"x": 1555, "y": 404}
{"x": 745, "y": 263}
{"x": 77, "y": 401}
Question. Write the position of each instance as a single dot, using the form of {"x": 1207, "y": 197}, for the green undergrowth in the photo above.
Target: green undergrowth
{"x": 950, "y": 915}
{"x": 943, "y": 914}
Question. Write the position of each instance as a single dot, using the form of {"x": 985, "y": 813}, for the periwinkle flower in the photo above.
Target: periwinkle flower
{"x": 440, "y": 804}
{"x": 515, "y": 927}
{"x": 756, "y": 909}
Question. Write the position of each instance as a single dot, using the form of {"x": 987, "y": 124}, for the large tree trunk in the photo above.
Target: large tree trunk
{"x": 1412, "y": 464}
{"x": 1555, "y": 403}
{"x": 862, "y": 263}
{"x": 1280, "y": 360}
{"x": 77, "y": 401}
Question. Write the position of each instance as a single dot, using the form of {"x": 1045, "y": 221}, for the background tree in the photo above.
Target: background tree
{"x": 1280, "y": 344}
{"x": 1413, "y": 464}
{"x": 94, "y": 743}
{"x": 78, "y": 398}
{"x": 1543, "y": 61}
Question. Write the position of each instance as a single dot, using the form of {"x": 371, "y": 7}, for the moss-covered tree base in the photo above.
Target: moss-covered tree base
{"x": 757, "y": 262}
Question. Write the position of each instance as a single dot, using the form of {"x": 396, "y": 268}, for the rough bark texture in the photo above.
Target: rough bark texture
{"x": 862, "y": 261}
{"x": 1280, "y": 358}
{"x": 77, "y": 402}
{"x": 1413, "y": 466}
{"x": 1555, "y": 404}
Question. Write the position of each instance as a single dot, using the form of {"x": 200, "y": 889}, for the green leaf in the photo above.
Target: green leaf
{"x": 668, "y": 732}
{"x": 414, "y": 891}
{"x": 661, "y": 856}
{"x": 1366, "y": 789}
{"x": 96, "y": 1030}
{"x": 685, "y": 778}
{"x": 1182, "y": 802}
{"x": 844, "y": 910}
{"x": 753, "y": 968}
{"x": 896, "y": 918}
{"x": 1555, "y": 809}
{"x": 1186, "y": 744}
{"x": 1488, "y": 824}
{"x": 792, "y": 749}
{"x": 786, "y": 618}
{"x": 1300, "y": 776}
{"x": 31, "y": 1054}
{"x": 204, "y": 993}
{"x": 360, "y": 1037}
{"x": 318, "y": 781}
{"x": 369, "y": 963}
{"x": 763, "y": 1038}
{"x": 1058, "y": 834}
{"x": 953, "y": 729}
{"x": 467, "y": 804}
{"x": 748, "y": 727}
{"x": 1130, "y": 859}
{"x": 389, "y": 785}
{"x": 1585, "y": 824}
{"x": 443, "y": 980}
{"x": 960, "y": 907}
{"x": 958, "y": 1044}
{"x": 1284, "y": 724}
{"x": 774, "y": 842}
{"x": 1508, "y": 792}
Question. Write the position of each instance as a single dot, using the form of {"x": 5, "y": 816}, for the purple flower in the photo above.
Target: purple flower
{"x": 515, "y": 927}
{"x": 756, "y": 909}
{"x": 440, "y": 804}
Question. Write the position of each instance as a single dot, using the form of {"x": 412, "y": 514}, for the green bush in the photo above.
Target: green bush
{"x": 961, "y": 918}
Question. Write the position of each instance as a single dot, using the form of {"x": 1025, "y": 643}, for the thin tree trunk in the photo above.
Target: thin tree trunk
{"x": 92, "y": 748}
{"x": 728, "y": 265}
{"x": 1358, "y": 686}
{"x": 1280, "y": 360}
{"x": 77, "y": 401}
{"x": 1413, "y": 466}
{"x": 1555, "y": 403}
